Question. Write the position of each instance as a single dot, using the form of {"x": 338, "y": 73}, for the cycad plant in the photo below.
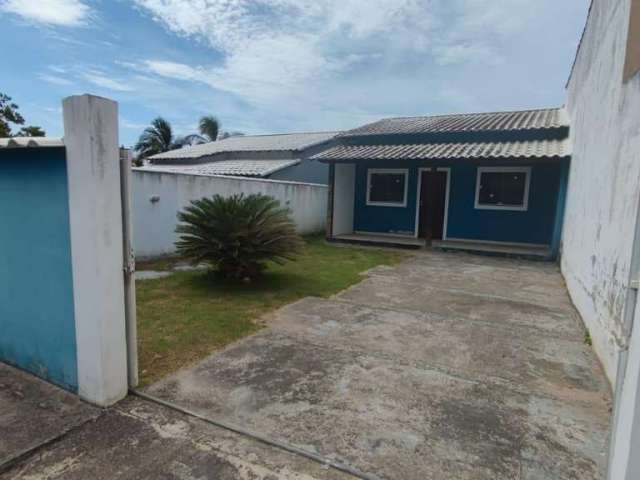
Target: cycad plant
{"x": 237, "y": 235}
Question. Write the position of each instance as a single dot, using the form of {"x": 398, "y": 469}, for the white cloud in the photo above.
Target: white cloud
{"x": 55, "y": 79}
{"x": 273, "y": 49}
{"x": 339, "y": 62}
{"x": 104, "y": 80}
{"x": 179, "y": 71}
{"x": 466, "y": 53}
{"x": 67, "y": 13}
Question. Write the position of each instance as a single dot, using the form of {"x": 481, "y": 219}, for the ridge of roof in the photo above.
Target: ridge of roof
{"x": 250, "y": 143}
{"x": 251, "y": 168}
{"x": 441, "y": 115}
{"x": 507, "y": 120}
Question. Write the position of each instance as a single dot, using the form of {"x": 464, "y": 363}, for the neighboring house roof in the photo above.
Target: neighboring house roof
{"x": 439, "y": 151}
{"x": 249, "y": 143}
{"x": 548, "y": 118}
{"x": 30, "y": 142}
{"x": 242, "y": 168}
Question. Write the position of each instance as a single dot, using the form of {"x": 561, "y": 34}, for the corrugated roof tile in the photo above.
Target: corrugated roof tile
{"x": 249, "y": 143}
{"x": 31, "y": 142}
{"x": 438, "y": 151}
{"x": 549, "y": 118}
{"x": 241, "y": 168}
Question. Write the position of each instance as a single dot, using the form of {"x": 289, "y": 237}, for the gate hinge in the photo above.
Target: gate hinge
{"x": 129, "y": 266}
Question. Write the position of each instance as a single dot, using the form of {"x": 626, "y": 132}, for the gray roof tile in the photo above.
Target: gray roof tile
{"x": 30, "y": 142}
{"x": 242, "y": 168}
{"x": 250, "y": 143}
{"x": 549, "y": 118}
{"x": 532, "y": 149}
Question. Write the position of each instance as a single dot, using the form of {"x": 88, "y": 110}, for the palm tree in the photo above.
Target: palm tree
{"x": 209, "y": 127}
{"x": 155, "y": 139}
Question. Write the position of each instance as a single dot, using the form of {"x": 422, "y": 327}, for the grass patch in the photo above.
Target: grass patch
{"x": 184, "y": 317}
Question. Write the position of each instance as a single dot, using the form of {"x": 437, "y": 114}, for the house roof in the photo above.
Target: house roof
{"x": 530, "y": 149}
{"x": 242, "y": 168}
{"x": 249, "y": 143}
{"x": 548, "y": 118}
{"x": 31, "y": 142}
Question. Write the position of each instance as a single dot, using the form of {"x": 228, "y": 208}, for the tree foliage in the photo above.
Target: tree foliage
{"x": 155, "y": 139}
{"x": 31, "y": 131}
{"x": 209, "y": 127}
{"x": 237, "y": 235}
{"x": 9, "y": 114}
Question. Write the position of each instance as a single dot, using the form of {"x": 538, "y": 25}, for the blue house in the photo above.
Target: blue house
{"x": 492, "y": 182}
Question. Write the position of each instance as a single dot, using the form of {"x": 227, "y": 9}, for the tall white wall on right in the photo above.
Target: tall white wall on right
{"x": 604, "y": 182}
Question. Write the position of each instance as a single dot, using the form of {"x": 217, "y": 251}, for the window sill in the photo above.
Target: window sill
{"x": 501, "y": 207}
{"x": 383, "y": 204}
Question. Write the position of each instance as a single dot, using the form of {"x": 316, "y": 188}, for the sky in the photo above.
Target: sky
{"x": 274, "y": 66}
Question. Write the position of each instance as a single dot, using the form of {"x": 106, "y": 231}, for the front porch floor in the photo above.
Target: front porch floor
{"x": 528, "y": 251}
{"x": 402, "y": 241}
{"x": 533, "y": 252}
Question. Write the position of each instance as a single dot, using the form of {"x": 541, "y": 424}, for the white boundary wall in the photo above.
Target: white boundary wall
{"x": 158, "y": 196}
{"x": 604, "y": 180}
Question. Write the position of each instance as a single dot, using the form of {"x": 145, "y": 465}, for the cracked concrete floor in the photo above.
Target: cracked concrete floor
{"x": 448, "y": 366}
{"x": 47, "y": 433}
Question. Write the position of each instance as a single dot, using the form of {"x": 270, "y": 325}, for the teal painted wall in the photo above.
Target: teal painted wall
{"x": 539, "y": 224}
{"x": 37, "y": 326}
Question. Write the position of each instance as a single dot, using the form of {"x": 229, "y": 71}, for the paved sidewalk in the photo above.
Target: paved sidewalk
{"x": 33, "y": 413}
{"x": 142, "y": 440}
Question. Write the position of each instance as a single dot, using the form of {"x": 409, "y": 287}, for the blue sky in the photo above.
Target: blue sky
{"x": 268, "y": 66}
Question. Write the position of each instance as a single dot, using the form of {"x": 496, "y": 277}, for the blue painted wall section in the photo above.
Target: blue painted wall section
{"x": 307, "y": 171}
{"x": 540, "y": 224}
{"x": 397, "y": 220}
{"x": 37, "y": 325}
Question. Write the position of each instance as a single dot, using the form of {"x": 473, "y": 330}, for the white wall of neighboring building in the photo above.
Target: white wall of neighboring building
{"x": 158, "y": 196}
{"x": 604, "y": 182}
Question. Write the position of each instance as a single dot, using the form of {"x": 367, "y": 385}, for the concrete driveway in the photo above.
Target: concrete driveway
{"x": 448, "y": 366}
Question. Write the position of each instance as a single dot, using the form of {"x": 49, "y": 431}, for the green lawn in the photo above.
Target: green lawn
{"x": 184, "y": 317}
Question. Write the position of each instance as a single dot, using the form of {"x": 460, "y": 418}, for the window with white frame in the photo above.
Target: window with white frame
{"x": 503, "y": 188}
{"x": 387, "y": 187}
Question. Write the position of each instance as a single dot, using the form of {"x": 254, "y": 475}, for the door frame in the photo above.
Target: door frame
{"x": 447, "y": 170}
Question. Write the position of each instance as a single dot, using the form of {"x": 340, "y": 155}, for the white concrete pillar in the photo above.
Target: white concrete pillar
{"x": 93, "y": 171}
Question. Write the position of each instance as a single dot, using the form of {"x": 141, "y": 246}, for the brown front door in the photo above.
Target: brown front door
{"x": 433, "y": 191}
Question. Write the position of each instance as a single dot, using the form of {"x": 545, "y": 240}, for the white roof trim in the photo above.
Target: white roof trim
{"x": 251, "y": 168}
{"x": 31, "y": 142}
